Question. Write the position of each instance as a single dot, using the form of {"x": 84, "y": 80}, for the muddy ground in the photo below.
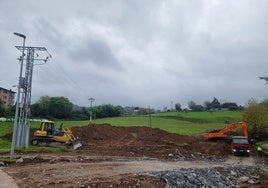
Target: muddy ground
{"x": 139, "y": 157}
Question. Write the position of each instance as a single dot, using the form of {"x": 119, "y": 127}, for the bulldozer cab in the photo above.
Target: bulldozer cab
{"x": 48, "y": 126}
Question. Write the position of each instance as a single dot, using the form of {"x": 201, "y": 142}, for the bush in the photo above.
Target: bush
{"x": 256, "y": 117}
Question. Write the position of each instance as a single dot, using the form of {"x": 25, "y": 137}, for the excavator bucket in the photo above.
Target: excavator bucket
{"x": 76, "y": 144}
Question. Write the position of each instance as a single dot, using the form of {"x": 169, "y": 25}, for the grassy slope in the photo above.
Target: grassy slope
{"x": 190, "y": 123}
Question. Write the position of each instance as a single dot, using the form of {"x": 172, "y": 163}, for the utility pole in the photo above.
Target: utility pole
{"x": 21, "y": 128}
{"x": 14, "y": 136}
{"x": 91, "y": 101}
{"x": 150, "y": 117}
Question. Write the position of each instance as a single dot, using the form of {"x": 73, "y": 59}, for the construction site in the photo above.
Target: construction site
{"x": 160, "y": 94}
{"x": 137, "y": 157}
{"x": 102, "y": 155}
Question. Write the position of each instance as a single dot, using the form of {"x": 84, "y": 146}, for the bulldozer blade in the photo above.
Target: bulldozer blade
{"x": 76, "y": 144}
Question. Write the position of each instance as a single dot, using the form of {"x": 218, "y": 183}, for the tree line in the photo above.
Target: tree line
{"x": 254, "y": 113}
{"x": 61, "y": 108}
{"x": 208, "y": 106}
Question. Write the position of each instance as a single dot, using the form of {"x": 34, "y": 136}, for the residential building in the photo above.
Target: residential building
{"x": 7, "y": 97}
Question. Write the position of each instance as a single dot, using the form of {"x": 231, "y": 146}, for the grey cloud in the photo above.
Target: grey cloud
{"x": 46, "y": 30}
{"x": 94, "y": 52}
{"x": 141, "y": 52}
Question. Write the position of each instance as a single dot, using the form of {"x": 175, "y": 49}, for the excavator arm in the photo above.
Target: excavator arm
{"x": 222, "y": 133}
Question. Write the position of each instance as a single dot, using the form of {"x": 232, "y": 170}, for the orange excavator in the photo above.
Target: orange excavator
{"x": 222, "y": 133}
{"x": 239, "y": 144}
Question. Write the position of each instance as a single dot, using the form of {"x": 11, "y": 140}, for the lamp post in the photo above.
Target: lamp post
{"x": 14, "y": 139}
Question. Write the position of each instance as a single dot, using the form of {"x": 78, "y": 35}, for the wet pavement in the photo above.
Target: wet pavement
{"x": 6, "y": 181}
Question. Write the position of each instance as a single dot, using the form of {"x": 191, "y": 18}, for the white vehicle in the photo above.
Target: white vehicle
{"x": 3, "y": 119}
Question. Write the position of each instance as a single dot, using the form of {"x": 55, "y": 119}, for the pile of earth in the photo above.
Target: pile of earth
{"x": 103, "y": 146}
{"x": 104, "y": 139}
{"x": 140, "y": 141}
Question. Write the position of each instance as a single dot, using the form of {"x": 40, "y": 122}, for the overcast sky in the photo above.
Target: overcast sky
{"x": 140, "y": 52}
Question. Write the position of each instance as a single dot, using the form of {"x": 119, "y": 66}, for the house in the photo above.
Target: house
{"x": 7, "y": 97}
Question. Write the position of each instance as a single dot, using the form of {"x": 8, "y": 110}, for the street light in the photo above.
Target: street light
{"x": 17, "y": 102}
{"x": 20, "y": 35}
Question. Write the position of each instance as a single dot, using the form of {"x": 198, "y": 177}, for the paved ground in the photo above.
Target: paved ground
{"x": 6, "y": 181}
{"x": 57, "y": 170}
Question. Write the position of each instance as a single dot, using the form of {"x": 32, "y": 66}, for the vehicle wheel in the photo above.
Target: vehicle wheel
{"x": 35, "y": 142}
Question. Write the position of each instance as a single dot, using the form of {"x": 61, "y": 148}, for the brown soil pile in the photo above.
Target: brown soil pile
{"x": 96, "y": 164}
{"x": 104, "y": 139}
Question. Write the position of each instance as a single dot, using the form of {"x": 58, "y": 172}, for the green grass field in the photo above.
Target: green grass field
{"x": 178, "y": 122}
{"x": 174, "y": 122}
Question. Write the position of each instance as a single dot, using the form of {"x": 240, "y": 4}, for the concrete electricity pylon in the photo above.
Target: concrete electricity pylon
{"x": 21, "y": 128}
{"x": 91, "y": 101}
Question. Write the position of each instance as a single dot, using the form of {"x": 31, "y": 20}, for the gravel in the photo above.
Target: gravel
{"x": 211, "y": 177}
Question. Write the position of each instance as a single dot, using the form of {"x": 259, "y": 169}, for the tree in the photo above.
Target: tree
{"x": 80, "y": 114}
{"x": 265, "y": 103}
{"x": 10, "y": 111}
{"x": 106, "y": 110}
{"x": 198, "y": 108}
{"x": 194, "y": 107}
{"x": 191, "y": 105}
{"x": 215, "y": 104}
{"x": 42, "y": 107}
{"x": 36, "y": 111}
{"x": 256, "y": 116}
{"x": 2, "y": 109}
{"x": 207, "y": 105}
{"x": 252, "y": 101}
{"x": 178, "y": 107}
{"x": 60, "y": 107}
{"x": 56, "y": 107}
{"x": 230, "y": 105}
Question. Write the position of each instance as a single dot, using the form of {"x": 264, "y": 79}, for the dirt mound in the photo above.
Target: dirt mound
{"x": 138, "y": 141}
{"x": 9, "y": 135}
{"x": 118, "y": 157}
{"x": 144, "y": 141}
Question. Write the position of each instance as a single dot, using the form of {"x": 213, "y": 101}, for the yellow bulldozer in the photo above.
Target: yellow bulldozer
{"x": 48, "y": 133}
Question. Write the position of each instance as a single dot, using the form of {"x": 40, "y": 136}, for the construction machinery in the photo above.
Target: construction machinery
{"x": 48, "y": 133}
{"x": 239, "y": 144}
{"x": 223, "y": 133}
